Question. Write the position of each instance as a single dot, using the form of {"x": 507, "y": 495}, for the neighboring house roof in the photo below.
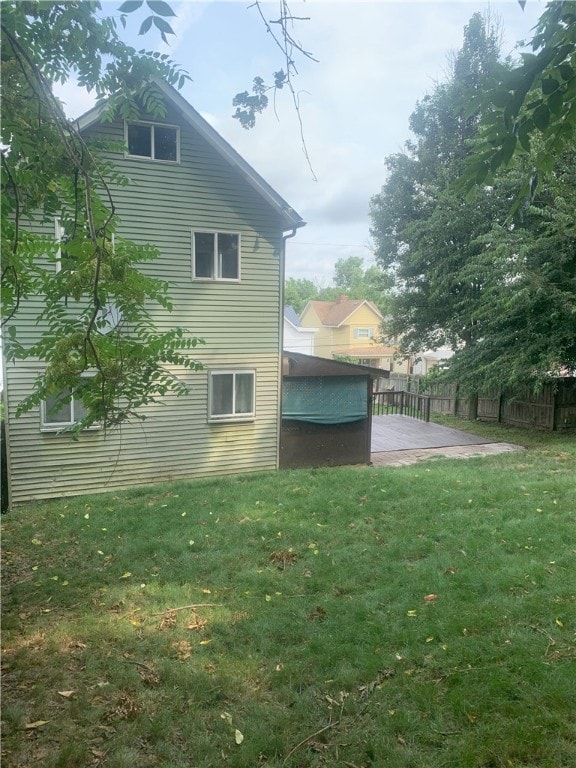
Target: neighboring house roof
{"x": 335, "y": 313}
{"x": 291, "y": 219}
{"x": 291, "y": 316}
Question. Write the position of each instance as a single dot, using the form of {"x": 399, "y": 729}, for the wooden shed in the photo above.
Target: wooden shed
{"x": 326, "y": 411}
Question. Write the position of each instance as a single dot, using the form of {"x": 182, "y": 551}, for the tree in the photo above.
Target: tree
{"x": 535, "y": 99}
{"x": 50, "y": 171}
{"x": 526, "y": 317}
{"x": 349, "y": 273}
{"x": 350, "y": 278}
{"x": 422, "y": 230}
{"x": 466, "y": 275}
{"x": 298, "y": 292}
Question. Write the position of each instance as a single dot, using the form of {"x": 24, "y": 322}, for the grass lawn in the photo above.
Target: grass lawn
{"x": 414, "y": 617}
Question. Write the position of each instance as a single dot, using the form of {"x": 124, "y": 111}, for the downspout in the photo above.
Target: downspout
{"x": 281, "y": 337}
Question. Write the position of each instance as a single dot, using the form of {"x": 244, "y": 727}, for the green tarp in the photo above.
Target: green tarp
{"x": 325, "y": 399}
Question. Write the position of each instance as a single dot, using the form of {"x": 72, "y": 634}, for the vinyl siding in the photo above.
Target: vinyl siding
{"x": 239, "y": 321}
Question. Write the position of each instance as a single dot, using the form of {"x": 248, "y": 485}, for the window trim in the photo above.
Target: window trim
{"x": 61, "y": 426}
{"x": 151, "y": 158}
{"x": 231, "y": 417}
{"x": 58, "y": 235}
{"x": 215, "y": 265}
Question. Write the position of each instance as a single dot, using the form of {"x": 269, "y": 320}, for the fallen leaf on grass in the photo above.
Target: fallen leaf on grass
{"x": 183, "y": 650}
{"x": 149, "y": 676}
{"x": 168, "y": 621}
{"x": 317, "y": 614}
{"x": 281, "y": 558}
{"x": 430, "y": 598}
{"x": 238, "y": 737}
{"x": 66, "y": 694}
{"x": 197, "y": 624}
{"x": 383, "y": 674}
{"x": 127, "y": 707}
{"x": 35, "y": 724}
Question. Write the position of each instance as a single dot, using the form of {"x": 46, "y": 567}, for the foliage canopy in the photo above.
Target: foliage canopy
{"x": 53, "y": 176}
{"x": 499, "y": 291}
{"x": 531, "y": 108}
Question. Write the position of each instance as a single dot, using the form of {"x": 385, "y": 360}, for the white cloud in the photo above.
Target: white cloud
{"x": 376, "y": 59}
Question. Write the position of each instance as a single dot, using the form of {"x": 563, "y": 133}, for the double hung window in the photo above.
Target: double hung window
{"x": 231, "y": 395}
{"x": 58, "y": 412}
{"x": 363, "y": 333}
{"x": 154, "y": 141}
{"x": 215, "y": 255}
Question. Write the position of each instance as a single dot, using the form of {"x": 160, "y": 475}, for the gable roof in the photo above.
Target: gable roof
{"x": 291, "y": 219}
{"x": 335, "y": 313}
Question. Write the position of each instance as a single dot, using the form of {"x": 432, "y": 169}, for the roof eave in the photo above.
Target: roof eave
{"x": 291, "y": 220}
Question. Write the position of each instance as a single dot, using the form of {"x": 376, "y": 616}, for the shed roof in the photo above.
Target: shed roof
{"x": 299, "y": 364}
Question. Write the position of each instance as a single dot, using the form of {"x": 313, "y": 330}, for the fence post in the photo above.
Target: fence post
{"x": 455, "y": 402}
{"x": 401, "y": 402}
{"x": 473, "y": 406}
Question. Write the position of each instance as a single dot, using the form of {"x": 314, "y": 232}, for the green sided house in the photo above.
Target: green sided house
{"x": 221, "y": 231}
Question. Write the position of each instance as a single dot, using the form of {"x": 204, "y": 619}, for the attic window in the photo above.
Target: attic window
{"x": 153, "y": 141}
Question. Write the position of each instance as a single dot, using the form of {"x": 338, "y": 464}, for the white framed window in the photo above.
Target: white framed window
{"x": 216, "y": 255}
{"x": 58, "y": 413}
{"x": 153, "y": 141}
{"x": 363, "y": 333}
{"x": 231, "y": 395}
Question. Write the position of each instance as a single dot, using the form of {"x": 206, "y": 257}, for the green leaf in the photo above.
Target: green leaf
{"x": 163, "y": 26}
{"x": 160, "y": 7}
{"x": 501, "y": 99}
{"x": 541, "y": 117}
{"x": 524, "y": 135}
{"x": 549, "y": 85}
{"x": 556, "y": 103}
{"x": 146, "y": 25}
{"x": 129, "y": 6}
{"x": 566, "y": 71}
{"x": 508, "y": 149}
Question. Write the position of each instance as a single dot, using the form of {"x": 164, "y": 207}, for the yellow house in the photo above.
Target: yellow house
{"x": 351, "y": 328}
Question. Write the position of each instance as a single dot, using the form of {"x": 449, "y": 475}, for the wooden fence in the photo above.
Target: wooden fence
{"x": 551, "y": 408}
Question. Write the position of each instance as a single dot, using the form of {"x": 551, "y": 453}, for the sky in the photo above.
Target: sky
{"x": 375, "y": 60}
